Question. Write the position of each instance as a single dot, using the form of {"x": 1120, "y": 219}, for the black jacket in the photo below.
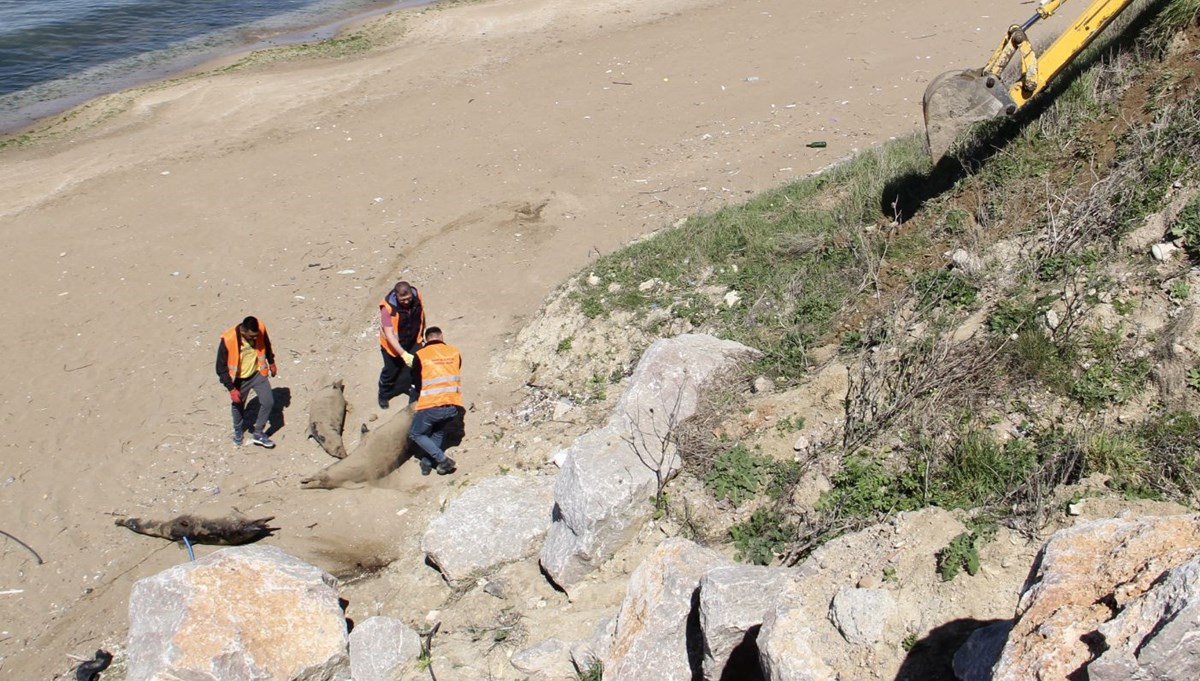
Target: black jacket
{"x": 412, "y": 320}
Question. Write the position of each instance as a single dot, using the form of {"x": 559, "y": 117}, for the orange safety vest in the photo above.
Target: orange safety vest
{"x": 233, "y": 348}
{"x": 441, "y": 379}
{"x": 384, "y": 304}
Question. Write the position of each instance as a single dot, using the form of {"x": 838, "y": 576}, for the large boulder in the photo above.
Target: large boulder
{"x": 384, "y": 649}
{"x": 1157, "y": 637}
{"x": 734, "y": 599}
{"x": 607, "y": 476}
{"x": 1084, "y": 577}
{"x": 788, "y": 644}
{"x": 251, "y": 613}
{"x": 496, "y": 521}
{"x": 658, "y": 626}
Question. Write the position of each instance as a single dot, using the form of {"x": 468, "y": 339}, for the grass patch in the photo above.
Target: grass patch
{"x": 796, "y": 256}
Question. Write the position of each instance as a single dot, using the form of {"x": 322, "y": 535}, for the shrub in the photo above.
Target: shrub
{"x": 945, "y": 286}
{"x": 761, "y": 537}
{"x": 737, "y": 475}
{"x": 865, "y": 488}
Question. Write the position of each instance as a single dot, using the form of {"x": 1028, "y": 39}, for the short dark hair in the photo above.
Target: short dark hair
{"x": 433, "y": 331}
{"x": 402, "y": 287}
{"x": 250, "y": 324}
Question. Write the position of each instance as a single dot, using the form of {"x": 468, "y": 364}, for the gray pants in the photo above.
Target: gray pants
{"x": 266, "y": 403}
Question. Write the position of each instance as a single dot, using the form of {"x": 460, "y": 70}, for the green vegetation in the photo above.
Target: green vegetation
{"x": 979, "y": 389}
{"x": 764, "y": 535}
{"x": 593, "y": 672}
{"x": 962, "y": 553}
{"x": 866, "y": 488}
{"x": 739, "y": 475}
{"x": 794, "y": 263}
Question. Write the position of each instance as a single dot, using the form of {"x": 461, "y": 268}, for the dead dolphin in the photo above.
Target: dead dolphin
{"x": 227, "y": 531}
{"x": 377, "y": 455}
{"x": 326, "y": 417}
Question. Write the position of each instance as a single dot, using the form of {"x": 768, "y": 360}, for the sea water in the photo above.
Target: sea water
{"x": 55, "y": 54}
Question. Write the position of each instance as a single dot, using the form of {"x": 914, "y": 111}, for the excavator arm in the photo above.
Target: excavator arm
{"x": 956, "y": 100}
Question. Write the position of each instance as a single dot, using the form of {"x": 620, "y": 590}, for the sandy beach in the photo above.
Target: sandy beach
{"x": 484, "y": 153}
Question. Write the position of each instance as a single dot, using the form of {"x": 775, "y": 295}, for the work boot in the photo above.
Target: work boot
{"x": 426, "y": 467}
{"x": 383, "y": 403}
{"x": 446, "y": 467}
{"x": 237, "y": 439}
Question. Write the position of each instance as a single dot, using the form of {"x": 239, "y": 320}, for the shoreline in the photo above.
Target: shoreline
{"x": 44, "y": 113}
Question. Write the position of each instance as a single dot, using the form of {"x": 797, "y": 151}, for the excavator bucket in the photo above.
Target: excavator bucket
{"x": 955, "y": 101}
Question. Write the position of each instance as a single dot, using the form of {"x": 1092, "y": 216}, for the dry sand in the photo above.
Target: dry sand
{"x": 486, "y": 153}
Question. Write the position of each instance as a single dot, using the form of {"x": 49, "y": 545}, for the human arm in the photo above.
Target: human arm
{"x": 415, "y": 391}
{"x": 270, "y": 352}
{"x": 389, "y": 333}
{"x": 223, "y": 366}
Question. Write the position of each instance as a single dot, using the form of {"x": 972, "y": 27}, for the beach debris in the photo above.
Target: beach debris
{"x": 89, "y": 670}
{"x": 26, "y": 546}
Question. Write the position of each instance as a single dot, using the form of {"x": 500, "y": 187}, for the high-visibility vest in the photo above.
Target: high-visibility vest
{"x": 233, "y": 350}
{"x": 441, "y": 376}
{"x": 386, "y": 305}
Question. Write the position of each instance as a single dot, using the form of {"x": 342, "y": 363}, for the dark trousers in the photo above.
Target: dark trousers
{"x": 396, "y": 377}
{"x": 429, "y": 428}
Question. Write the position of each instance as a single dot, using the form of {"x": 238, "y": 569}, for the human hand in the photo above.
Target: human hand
{"x": 274, "y": 370}
{"x": 235, "y": 395}
{"x": 407, "y": 357}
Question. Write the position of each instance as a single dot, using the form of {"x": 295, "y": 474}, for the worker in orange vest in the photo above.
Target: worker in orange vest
{"x": 401, "y": 328}
{"x": 244, "y": 358}
{"x": 437, "y": 389}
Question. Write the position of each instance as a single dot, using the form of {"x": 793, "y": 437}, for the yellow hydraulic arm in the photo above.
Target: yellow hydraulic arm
{"x": 956, "y": 100}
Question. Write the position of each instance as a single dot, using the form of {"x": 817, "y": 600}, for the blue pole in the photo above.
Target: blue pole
{"x": 188, "y": 544}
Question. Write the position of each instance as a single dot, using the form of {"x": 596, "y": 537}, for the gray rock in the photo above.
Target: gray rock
{"x": 762, "y": 384}
{"x": 670, "y": 379}
{"x": 593, "y": 650}
{"x": 1156, "y": 637}
{"x": 1051, "y": 319}
{"x": 383, "y": 649}
{"x": 861, "y": 614}
{"x": 965, "y": 261}
{"x": 549, "y": 659}
{"x": 601, "y": 498}
{"x": 496, "y": 521}
{"x": 786, "y": 645}
{"x": 975, "y": 659}
{"x": 608, "y": 474}
{"x": 495, "y": 587}
{"x": 247, "y": 613}
{"x": 734, "y": 599}
{"x": 653, "y": 640}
